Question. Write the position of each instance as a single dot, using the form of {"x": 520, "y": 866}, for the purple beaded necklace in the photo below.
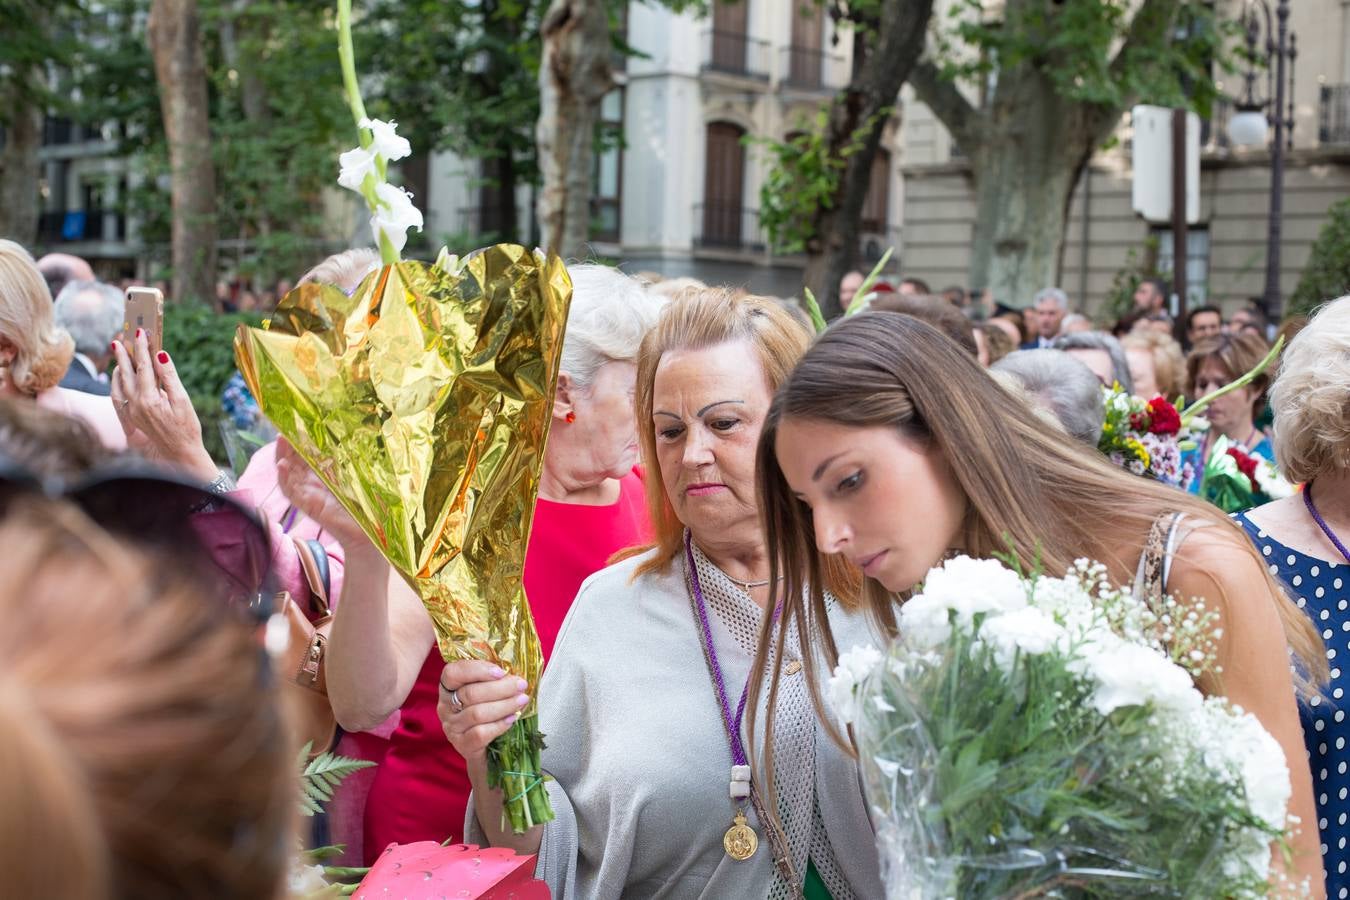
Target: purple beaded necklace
{"x": 1321, "y": 523}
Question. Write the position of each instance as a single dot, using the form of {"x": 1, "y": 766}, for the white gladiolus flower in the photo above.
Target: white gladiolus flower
{"x": 394, "y": 215}
{"x": 356, "y": 165}
{"x": 385, "y": 141}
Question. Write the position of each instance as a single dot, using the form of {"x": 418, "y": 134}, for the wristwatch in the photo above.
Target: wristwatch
{"x": 221, "y": 485}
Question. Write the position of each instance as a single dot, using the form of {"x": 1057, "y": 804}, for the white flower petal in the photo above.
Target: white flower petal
{"x": 356, "y": 165}
{"x": 385, "y": 141}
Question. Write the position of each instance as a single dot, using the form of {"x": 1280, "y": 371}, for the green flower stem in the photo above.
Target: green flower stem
{"x": 813, "y": 310}
{"x": 1194, "y": 409}
{"x": 347, "y": 56}
{"x": 514, "y": 766}
{"x": 866, "y": 287}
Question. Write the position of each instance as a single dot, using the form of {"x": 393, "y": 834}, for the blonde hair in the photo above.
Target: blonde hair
{"x": 42, "y": 349}
{"x": 1311, "y": 397}
{"x": 694, "y": 320}
{"x": 142, "y": 748}
{"x": 1028, "y": 491}
{"x": 998, "y": 341}
{"x": 1169, "y": 366}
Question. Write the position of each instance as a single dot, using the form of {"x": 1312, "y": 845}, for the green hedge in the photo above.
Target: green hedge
{"x": 1327, "y": 274}
{"x": 201, "y": 343}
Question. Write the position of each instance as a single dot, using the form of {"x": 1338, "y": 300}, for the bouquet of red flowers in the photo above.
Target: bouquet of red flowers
{"x": 1146, "y": 437}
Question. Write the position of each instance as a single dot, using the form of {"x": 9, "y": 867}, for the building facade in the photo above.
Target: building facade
{"x": 679, "y": 195}
{"x": 1226, "y": 250}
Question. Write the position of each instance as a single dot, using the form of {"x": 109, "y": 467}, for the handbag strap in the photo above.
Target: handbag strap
{"x": 314, "y": 562}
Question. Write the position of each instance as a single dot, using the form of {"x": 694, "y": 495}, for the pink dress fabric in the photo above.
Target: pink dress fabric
{"x": 95, "y": 411}
{"x": 258, "y": 488}
{"x": 422, "y": 788}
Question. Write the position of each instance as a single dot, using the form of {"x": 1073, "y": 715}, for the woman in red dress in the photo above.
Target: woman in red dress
{"x": 382, "y": 655}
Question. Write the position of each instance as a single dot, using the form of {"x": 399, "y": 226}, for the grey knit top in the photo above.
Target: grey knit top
{"x": 640, "y": 758}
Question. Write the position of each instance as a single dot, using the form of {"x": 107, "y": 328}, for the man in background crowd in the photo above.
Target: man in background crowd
{"x": 1048, "y": 311}
{"x": 93, "y": 313}
{"x": 848, "y": 287}
{"x": 1151, "y": 295}
{"x": 59, "y": 269}
{"x": 1203, "y": 322}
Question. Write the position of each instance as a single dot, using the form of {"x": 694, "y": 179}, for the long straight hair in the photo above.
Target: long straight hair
{"x": 1029, "y": 491}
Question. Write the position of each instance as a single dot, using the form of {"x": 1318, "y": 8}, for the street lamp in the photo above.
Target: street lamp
{"x": 1249, "y": 125}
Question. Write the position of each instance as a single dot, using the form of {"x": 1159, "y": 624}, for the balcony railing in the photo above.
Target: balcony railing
{"x": 1333, "y": 114}
{"x": 66, "y": 226}
{"x": 727, "y": 226}
{"x": 734, "y": 53}
{"x": 809, "y": 68}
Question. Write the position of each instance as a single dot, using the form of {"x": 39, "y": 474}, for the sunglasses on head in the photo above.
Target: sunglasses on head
{"x": 208, "y": 536}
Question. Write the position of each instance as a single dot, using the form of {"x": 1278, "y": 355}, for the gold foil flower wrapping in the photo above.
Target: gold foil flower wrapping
{"x": 423, "y": 402}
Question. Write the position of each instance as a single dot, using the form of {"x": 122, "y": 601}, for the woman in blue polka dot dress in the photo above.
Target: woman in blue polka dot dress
{"x": 1304, "y": 541}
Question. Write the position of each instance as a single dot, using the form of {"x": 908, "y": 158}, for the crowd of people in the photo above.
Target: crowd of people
{"x": 726, "y": 500}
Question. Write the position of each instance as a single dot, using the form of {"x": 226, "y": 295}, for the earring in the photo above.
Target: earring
{"x": 570, "y": 418}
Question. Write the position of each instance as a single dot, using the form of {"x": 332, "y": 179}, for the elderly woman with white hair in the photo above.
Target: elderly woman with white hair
{"x": 1305, "y": 539}
{"x": 382, "y": 655}
{"x": 35, "y": 352}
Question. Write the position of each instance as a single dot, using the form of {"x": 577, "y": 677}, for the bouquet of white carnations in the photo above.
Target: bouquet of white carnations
{"x": 1043, "y": 737}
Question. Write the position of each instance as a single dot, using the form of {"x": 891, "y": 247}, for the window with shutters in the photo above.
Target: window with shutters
{"x": 806, "y": 59}
{"x": 723, "y": 211}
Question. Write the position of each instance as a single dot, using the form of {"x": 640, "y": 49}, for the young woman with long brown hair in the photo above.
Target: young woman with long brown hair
{"x": 890, "y": 447}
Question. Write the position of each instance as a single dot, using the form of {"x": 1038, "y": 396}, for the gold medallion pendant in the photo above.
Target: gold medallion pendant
{"x": 740, "y": 841}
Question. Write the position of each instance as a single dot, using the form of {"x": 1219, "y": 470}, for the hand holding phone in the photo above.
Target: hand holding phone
{"x": 145, "y": 310}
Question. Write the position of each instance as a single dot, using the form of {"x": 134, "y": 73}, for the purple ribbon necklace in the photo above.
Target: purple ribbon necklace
{"x": 740, "y": 841}
{"x": 1321, "y": 523}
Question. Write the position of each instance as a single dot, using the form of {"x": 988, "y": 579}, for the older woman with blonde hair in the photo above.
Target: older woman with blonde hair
{"x": 890, "y": 448}
{"x": 644, "y": 697}
{"x": 1157, "y": 367}
{"x": 1304, "y": 539}
{"x": 35, "y": 352}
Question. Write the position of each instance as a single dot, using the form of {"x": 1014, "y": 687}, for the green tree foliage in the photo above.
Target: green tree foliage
{"x": 1327, "y": 274}
{"x": 278, "y": 119}
{"x": 1053, "y": 80}
{"x": 201, "y": 343}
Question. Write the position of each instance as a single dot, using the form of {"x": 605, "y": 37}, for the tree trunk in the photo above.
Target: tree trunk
{"x": 574, "y": 76}
{"x": 20, "y": 172}
{"x": 887, "y": 54}
{"x": 175, "y": 44}
{"x": 1025, "y": 171}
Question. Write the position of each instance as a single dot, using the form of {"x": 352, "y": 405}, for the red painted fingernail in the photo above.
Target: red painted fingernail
{"x": 163, "y": 358}
{"x": 139, "y": 332}
{"x": 113, "y": 346}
